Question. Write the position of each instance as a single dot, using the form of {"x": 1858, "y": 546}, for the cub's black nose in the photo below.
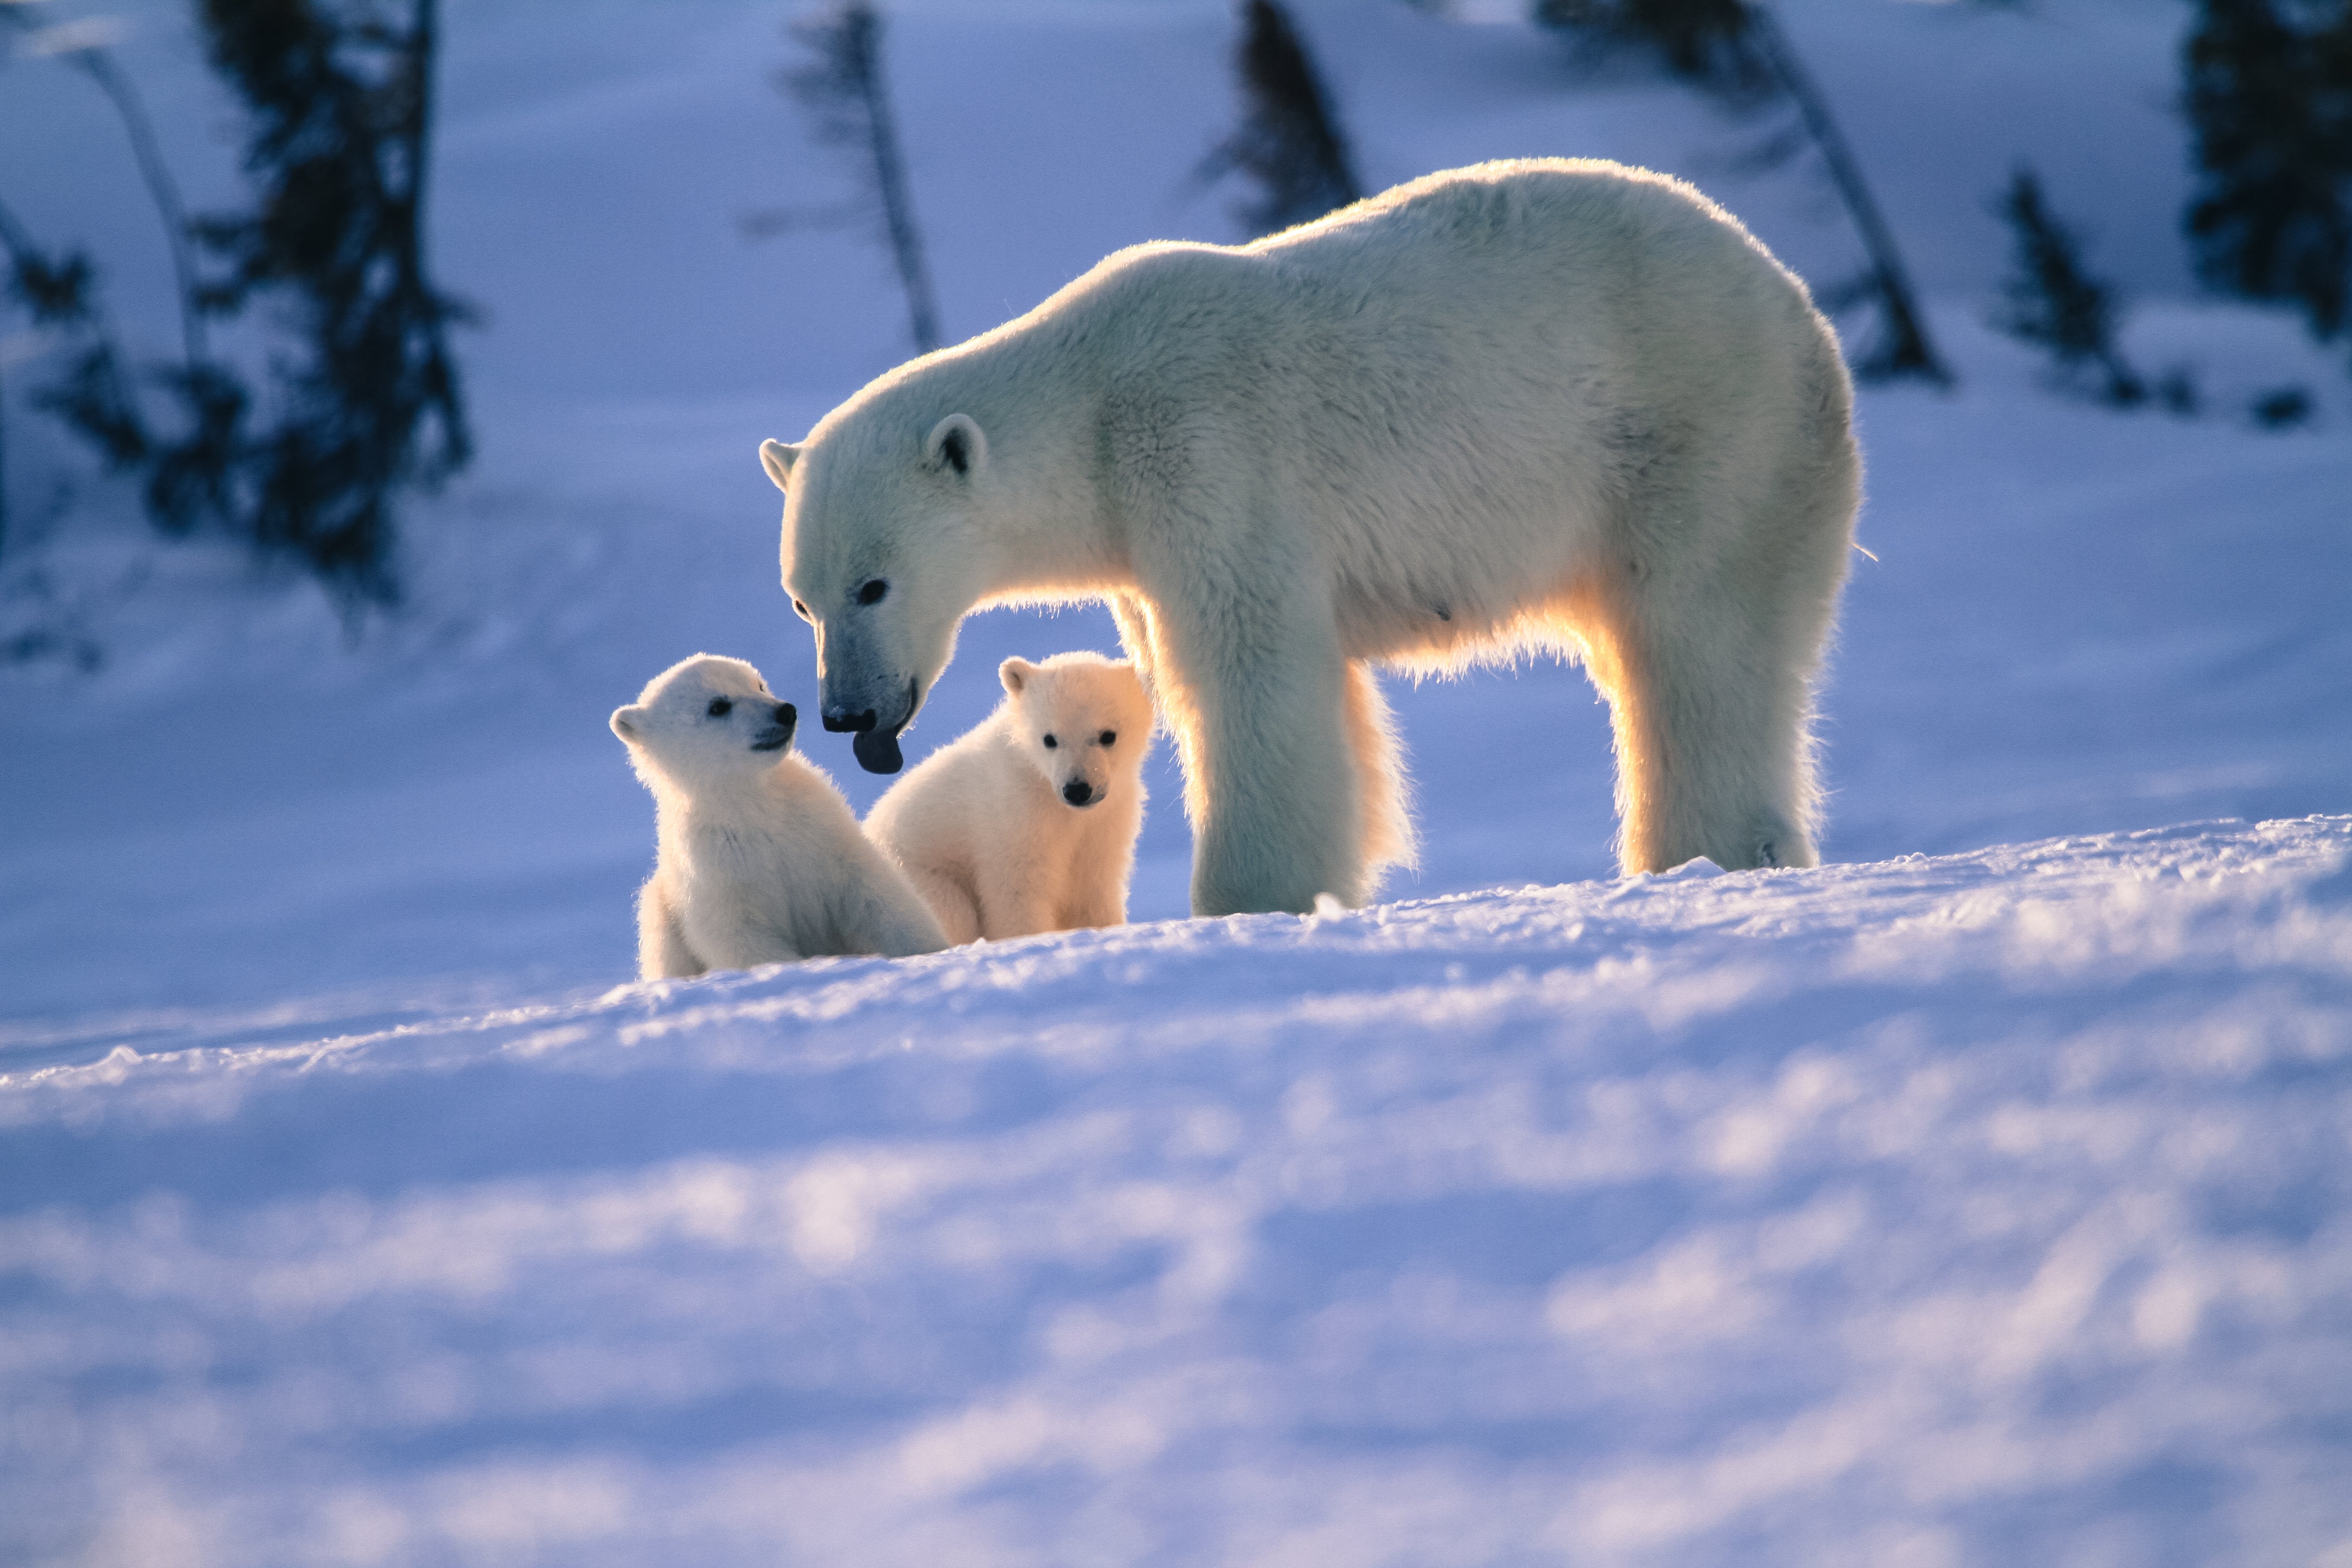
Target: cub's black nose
{"x": 841, "y": 721}
{"x": 1078, "y": 792}
{"x": 787, "y": 715}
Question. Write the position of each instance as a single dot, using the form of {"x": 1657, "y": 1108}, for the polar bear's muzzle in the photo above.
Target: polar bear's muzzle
{"x": 778, "y": 732}
{"x": 876, "y": 745}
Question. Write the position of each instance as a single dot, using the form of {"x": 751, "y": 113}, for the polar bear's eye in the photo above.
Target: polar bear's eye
{"x": 800, "y": 609}
{"x": 1051, "y": 742}
{"x": 1108, "y": 737}
{"x": 871, "y": 594}
{"x": 720, "y": 708}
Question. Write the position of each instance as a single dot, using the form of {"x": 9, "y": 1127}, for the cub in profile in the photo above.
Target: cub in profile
{"x": 760, "y": 859}
{"x": 1027, "y": 821}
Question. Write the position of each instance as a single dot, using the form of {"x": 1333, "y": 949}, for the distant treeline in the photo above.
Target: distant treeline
{"x": 360, "y": 397}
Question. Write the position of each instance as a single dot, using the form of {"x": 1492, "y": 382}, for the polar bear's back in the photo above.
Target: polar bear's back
{"x": 1582, "y": 221}
{"x": 1522, "y": 245}
{"x": 1480, "y": 385}
{"x": 1564, "y": 271}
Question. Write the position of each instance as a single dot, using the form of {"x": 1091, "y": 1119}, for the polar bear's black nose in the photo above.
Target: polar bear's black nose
{"x": 787, "y": 715}
{"x": 841, "y": 721}
{"x": 1078, "y": 792}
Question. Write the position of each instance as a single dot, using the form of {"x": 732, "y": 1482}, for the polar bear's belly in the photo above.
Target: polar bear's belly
{"x": 1473, "y": 586}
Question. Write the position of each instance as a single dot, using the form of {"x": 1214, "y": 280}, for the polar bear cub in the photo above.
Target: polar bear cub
{"x": 1027, "y": 821}
{"x": 760, "y": 859}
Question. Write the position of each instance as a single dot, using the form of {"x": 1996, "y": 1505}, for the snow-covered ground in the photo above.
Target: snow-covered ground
{"x": 1987, "y": 1208}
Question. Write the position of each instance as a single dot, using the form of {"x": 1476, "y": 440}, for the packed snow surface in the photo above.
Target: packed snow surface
{"x": 1947, "y": 1205}
{"x": 1982, "y": 1208}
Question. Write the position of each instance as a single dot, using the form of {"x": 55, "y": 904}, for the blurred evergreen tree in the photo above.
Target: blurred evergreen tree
{"x": 339, "y": 97}
{"x": 1737, "y": 51}
{"x": 81, "y": 46}
{"x": 338, "y": 94}
{"x": 93, "y": 396}
{"x": 843, "y": 91}
{"x": 1289, "y": 141}
{"x": 1711, "y": 42}
{"x": 2051, "y": 300}
{"x": 2268, "y": 93}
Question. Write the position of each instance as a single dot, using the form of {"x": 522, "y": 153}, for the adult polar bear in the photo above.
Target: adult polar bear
{"x": 1543, "y": 403}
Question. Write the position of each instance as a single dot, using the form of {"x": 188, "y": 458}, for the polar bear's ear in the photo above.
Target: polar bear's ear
{"x": 778, "y": 458}
{"x": 625, "y": 722}
{"x": 955, "y": 442}
{"x": 1016, "y": 674}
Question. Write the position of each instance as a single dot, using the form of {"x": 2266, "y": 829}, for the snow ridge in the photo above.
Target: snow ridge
{"x": 1892, "y": 1212}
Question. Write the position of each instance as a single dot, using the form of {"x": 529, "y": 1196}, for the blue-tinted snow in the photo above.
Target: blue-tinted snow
{"x": 1981, "y": 1209}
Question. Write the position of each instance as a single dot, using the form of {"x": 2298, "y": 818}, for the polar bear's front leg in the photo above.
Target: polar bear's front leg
{"x": 885, "y": 915}
{"x": 1256, "y": 694}
{"x": 662, "y": 953}
{"x": 1014, "y": 907}
{"x": 951, "y": 902}
{"x": 739, "y": 943}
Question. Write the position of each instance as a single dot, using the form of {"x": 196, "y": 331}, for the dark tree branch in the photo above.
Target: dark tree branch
{"x": 94, "y": 62}
{"x": 1906, "y": 350}
{"x": 2267, "y": 90}
{"x": 1737, "y": 51}
{"x": 843, "y": 89}
{"x": 2053, "y": 302}
{"x": 1289, "y": 141}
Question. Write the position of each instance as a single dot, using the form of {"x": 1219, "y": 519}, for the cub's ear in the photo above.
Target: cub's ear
{"x": 1016, "y": 674}
{"x": 956, "y": 443}
{"x": 778, "y": 458}
{"x": 627, "y": 721}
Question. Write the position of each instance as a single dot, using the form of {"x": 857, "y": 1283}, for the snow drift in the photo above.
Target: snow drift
{"x": 1934, "y": 1210}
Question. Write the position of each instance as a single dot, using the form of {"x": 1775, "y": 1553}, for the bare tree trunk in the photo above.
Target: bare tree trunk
{"x": 890, "y": 180}
{"x": 160, "y": 187}
{"x": 843, "y": 91}
{"x": 1908, "y": 351}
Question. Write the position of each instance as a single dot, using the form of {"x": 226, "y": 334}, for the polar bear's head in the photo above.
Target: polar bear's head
{"x": 703, "y": 721}
{"x": 1082, "y": 721}
{"x": 885, "y": 549}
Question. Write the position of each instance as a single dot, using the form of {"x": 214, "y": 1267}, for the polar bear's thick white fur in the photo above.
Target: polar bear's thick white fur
{"x": 1541, "y": 404}
{"x": 760, "y": 860}
{"x": 1026, "y": 822}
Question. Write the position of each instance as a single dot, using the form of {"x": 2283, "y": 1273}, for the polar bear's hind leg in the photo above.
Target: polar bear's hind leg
{"x": 1707, "y": 667}
{"x": 1713, "y": 757}
{"x": 1382, "y": 792}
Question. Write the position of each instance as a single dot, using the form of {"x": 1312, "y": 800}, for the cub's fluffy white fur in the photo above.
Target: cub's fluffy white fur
{"x": 1026, "y": 823}
{"x": 1536, "y": 405}
{"x": 760, "y": 859}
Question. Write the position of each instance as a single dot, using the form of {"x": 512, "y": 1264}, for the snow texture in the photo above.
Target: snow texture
{"x": 1948, "y": 1206}
{"x": 1979, "y": 1208}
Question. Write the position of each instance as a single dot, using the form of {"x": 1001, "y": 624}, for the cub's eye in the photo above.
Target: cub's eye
{"x": 801, "y": 610}
{"x": 871, "y": 594}
{"x": 1108, "y": 737}
{"x": 1051, "y": 742}
{"x": 720, "y": 708}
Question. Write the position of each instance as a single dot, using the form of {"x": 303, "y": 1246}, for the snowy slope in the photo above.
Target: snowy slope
{"x": 1985, "y": 1209}
{"x": 2076, "y": 622}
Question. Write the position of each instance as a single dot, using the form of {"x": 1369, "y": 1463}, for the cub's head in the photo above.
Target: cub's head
{"x": 704, "y": 721}
{"x": 1083, "y": 722}
{"x": 885, "y": 515}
